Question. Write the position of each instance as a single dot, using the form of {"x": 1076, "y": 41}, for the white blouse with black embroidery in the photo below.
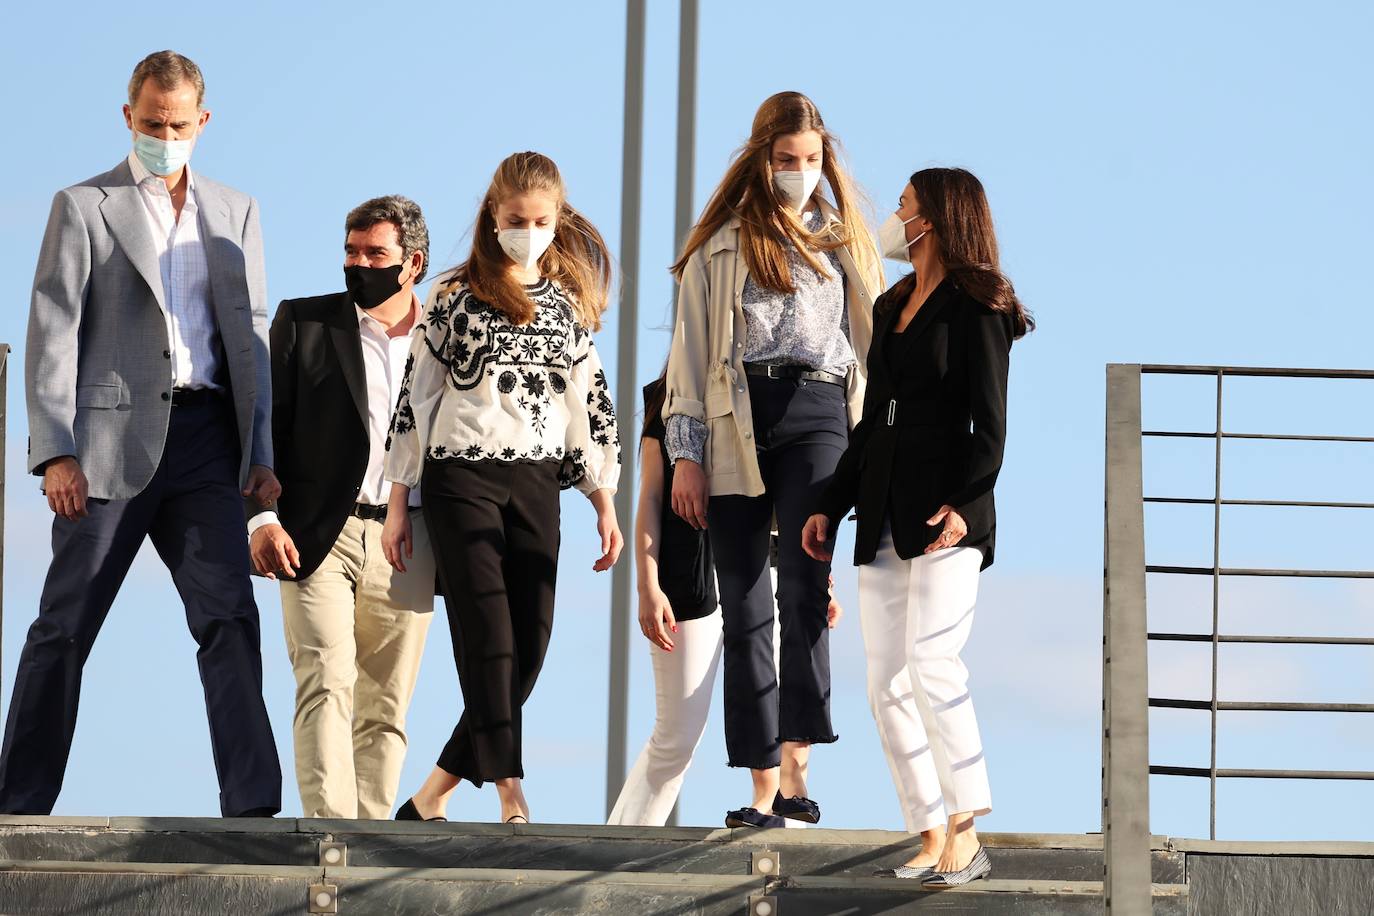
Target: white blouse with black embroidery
{"x": 480, "y": 388}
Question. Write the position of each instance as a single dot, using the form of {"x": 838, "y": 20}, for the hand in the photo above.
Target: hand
{"x": 611, "y": 539}
{"x": 690, "y": 492}
{"x": 814, "y": 536}
{"x": 833, "y": 611}
{"x": 66, "y": 487}
{"x": 262, "y": 485}
{"x": 398, "y": 541}
{"x": 955, "y": 529}
{"x": 656, "y": 619}
{"x": 274, "y": 552}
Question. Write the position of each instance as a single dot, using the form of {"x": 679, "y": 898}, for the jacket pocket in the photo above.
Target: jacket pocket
{"x": 722, "y": 435}
{"x": 97, "y": 396}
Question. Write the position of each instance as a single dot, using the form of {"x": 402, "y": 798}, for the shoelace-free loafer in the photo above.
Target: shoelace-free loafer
{"x": 797, "y": 808}
{"x": 980, "y": 866}
{"x": 752, "y": 817}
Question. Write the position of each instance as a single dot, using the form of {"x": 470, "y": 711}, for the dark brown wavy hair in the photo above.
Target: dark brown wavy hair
{"x": 767, "y": 226}
{"x": 578, "y": 259}
{"x": 956, "y": 206}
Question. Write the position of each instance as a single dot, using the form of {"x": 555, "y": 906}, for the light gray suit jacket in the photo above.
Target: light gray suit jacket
{"x": 97, "y": 370}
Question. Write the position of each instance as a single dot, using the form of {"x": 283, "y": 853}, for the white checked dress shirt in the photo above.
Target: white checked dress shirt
{"x": 384, "y": 363}
{"x": 192, "y": 332}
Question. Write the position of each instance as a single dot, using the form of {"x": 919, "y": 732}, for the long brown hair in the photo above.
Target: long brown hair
{"x": 766, "y": 225}
{"x": 954, "y": 203}
{"x": 578, "y": 260}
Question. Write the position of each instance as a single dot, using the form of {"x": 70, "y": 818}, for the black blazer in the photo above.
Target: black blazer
{"x": 933, "y": 426}
{"x": 319, "y": 420}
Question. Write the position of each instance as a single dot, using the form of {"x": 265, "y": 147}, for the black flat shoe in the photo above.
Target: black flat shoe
{"x": 797, "y": 808}
{"x": 407, "y": 812}
{"x": 980, "y": 866}
{"x": 752, "y": 817}
{"x": 904, "y": 871}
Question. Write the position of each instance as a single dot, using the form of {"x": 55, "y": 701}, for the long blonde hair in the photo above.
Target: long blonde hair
{"x": 578, "y": 260}
{"x": 766, "y": 225}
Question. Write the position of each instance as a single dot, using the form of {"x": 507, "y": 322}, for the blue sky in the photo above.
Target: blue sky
{"x": 1172, "y": 182}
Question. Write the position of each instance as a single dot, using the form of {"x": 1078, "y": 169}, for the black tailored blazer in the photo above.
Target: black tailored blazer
{"x": 319, "y": 420}
{"x": 933, "y": 426}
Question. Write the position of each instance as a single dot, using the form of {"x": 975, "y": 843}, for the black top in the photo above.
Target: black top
{"x": 933, "y": 427}
{"x": 685, "y": 571}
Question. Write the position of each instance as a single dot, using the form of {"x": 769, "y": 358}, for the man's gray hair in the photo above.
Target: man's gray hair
{"x": 401, "y": 212}
{"x": 169, "y": 70}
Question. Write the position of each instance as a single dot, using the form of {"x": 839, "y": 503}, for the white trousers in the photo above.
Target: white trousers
{"x": 916, "y": 616}
{"x": 683, "y": 682}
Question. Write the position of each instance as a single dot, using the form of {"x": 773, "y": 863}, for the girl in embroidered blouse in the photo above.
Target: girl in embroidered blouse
{"x": 765, "y": 378}
{"x": 504, "y": 403}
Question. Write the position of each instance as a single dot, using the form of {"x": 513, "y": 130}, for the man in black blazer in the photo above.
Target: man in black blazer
{"x": 355, "y": 627}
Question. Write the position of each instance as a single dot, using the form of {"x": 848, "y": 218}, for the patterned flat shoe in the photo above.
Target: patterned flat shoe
{"x": 752, "y": 817}
{"x": 980, "y": 866}
{"x": 797, "y": 808}
{"x": 904, "y": 871}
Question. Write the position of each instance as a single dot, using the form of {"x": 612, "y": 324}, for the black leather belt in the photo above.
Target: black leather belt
{"x": 195, "y": 397}
{"x": 369, "y": 512}
{"x": 795, "y": 372}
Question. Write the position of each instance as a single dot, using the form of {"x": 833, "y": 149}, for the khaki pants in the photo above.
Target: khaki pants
{"x": 355, "y": 631}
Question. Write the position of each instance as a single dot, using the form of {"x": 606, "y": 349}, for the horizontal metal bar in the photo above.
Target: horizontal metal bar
{"x": 1261, "y": 774}
{"x": 1281, "y": 503}
{"x": 1277, "y": 437}
{"x": 1270, "y": 640}
{"x": 1256, "y": 372}
{"x": 1281, "y": 573}
{"x": 1234, "y": 706}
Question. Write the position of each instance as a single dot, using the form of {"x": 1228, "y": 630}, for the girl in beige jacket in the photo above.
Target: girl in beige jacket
{"x": 765, "y": 379}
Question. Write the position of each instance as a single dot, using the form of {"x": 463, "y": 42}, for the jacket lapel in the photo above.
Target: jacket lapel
{"x": 123, "y": 212}
{"x": 348, "y": 348}
{"x": 919, "y": 323}
{"x": 223, "y": 257}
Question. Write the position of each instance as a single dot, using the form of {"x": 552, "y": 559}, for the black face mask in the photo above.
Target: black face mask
{"x": 371, "y": 286}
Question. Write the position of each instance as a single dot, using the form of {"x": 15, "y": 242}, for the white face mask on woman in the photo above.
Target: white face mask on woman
{"x": 892, "y": 238}
{"x": 525, "y": 246}
{"x": 795, "y": 187}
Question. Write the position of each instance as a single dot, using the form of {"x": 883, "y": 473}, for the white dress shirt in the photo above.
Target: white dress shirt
{"x": 384, "y": 363}
{"x": 191, "y": 329}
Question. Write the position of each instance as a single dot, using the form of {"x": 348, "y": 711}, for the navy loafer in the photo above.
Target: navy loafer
{"x": 752, "y": 817}
{"x": 797, "y": 808}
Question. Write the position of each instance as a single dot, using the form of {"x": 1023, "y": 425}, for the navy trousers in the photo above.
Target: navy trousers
{"x": 800, "y": 432}
{"x": 193, "y": 512}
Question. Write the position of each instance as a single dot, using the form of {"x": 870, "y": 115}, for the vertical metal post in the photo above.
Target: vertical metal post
{"x": 4, "y": 427}
{"x": 1125, "y": 695}
{"x": 1216, "y": 613}
{"x": 683, "y": 212}
{"x": 627, "y": 335}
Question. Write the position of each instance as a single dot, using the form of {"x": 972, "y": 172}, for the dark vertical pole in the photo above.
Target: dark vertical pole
{"x": 4, "y": 418}
{"x": 1216, "y": 614}
{"x": 622, "y": 578}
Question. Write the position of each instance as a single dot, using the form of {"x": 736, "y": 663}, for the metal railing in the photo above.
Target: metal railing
{"x": 1126, "y": 638}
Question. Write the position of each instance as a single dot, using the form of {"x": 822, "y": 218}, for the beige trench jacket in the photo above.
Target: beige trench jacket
{"x": 706, "y": 377}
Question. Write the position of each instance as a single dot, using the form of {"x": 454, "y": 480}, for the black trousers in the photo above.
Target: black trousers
{"x": 193, "y": 512}
{"x": 800, "y": 431}
{"x": 494, "y": 528}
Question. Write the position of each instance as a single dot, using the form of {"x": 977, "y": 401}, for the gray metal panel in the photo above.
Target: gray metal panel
{"x": 1291, "y": 885}
{"x": 1125, "y": 713}
{"x": 627, "y": 396}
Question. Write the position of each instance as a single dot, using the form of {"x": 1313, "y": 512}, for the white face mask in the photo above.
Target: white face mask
{"x": 162, "y": 157}
{"x": 525, "y": 246}
{"x": 892, "y": 238}
{"x": 795, "y": 187}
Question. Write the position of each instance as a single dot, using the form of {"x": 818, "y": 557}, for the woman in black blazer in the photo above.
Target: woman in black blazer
{"x": 920, "y": 469}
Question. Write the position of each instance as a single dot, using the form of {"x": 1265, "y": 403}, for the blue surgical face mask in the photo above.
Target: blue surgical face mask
{"x": 162, "y": 157}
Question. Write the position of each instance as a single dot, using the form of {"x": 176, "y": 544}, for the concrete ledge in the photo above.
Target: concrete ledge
{"x": 49, "y": 821}
{"x": 304, "y": 873}
{"x": 207, "y": 824}
{"x": 1323, "y": 848}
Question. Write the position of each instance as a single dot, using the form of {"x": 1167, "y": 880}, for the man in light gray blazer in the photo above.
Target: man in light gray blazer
{"x": 148, "y": 384}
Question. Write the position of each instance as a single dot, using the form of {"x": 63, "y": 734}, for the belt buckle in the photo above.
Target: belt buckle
{"x": 892, "y": 412}
{"x": 774, "y": 371}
